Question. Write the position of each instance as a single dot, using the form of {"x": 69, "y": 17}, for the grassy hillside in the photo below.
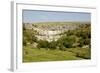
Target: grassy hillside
{"x": 36, "y": 55}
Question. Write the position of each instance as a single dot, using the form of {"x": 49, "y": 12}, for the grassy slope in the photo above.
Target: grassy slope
{"x": 36, "y": 55}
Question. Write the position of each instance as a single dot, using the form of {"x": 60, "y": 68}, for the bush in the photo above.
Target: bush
{"x": 43, "y": 44}
{"x": 52, "y": 45}
{"x": 67, "y": 41}
{"x": 61, "y": 47}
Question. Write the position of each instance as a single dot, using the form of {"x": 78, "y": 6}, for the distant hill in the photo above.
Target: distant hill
{"x": 55, "y": 25}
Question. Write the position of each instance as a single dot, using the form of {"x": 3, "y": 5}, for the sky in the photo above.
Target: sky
{"x": 33, "y": 16}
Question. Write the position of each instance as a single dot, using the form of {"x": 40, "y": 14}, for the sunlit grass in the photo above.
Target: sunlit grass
{"x": 36, "y": 55}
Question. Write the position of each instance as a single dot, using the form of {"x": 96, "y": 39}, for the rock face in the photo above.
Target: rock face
{"x": 48, "y": 35}
{"x": 51, "y": 31}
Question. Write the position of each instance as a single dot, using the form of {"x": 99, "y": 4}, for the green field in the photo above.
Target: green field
{"x": 37, "y": 55}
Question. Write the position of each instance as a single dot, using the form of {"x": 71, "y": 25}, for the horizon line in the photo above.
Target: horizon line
{"x": 56, "y": 21}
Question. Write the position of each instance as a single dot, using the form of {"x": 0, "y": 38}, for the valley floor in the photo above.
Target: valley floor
{"x": 39, "y": 55}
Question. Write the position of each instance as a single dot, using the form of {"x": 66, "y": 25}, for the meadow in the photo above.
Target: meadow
{"x": 36, "y": 55}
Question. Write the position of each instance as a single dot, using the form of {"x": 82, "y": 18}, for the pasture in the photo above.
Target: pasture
{"x": 37, "y": 55}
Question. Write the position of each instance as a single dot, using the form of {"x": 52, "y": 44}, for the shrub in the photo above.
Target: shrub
{"x": 67, "y": 41}
{"x": 43, "y": 44}
{"x": 52, "y": 45}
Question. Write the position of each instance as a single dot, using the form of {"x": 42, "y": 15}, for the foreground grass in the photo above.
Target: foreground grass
{"x": 37, "y": 55}
{"x": 81, "y": 52}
